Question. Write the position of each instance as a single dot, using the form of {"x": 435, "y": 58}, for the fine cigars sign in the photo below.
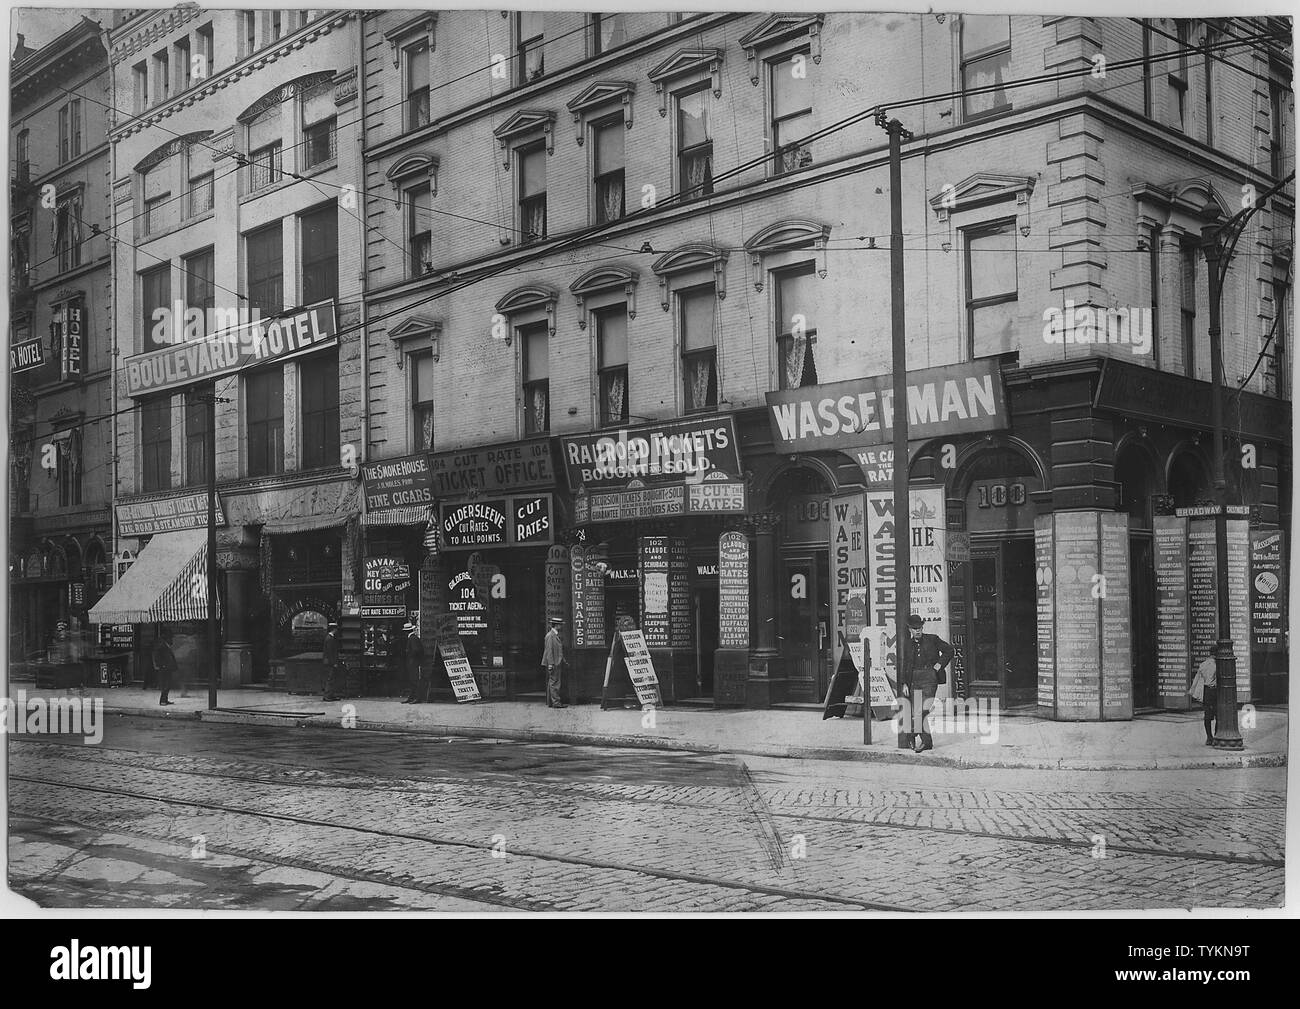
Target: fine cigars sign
{"x": 949, "y": 400}
{"x": 397, "y": 483}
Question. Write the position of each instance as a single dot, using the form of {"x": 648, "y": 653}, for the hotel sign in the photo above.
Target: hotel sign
{"x": 950, "y": 400}
{"x": 165, "y": 515}
{"x": 264, "y": 341}
{"x": 26, "y": 355}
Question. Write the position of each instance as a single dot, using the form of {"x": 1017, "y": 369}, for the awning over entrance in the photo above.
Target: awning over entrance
{"x": 414, "y": 515}
{"x": 159, "y": 586}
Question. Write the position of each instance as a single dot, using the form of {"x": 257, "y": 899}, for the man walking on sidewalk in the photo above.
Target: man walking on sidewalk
{"x": 925, "y": 657}
{"x": 1205, "y": 688}
{"x": 164, "y": 664}
{"x": 416, "y": 678}
{"x": 553, "y": 660}
{"x": 330, "y": 662}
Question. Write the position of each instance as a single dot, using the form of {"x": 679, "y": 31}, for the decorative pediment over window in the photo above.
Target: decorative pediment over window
{"x": 284, "y": 93}
{"x": 423, "y": 24}
{"x": 601, "y": 280}
{"x": 775, "y": 31}
{"x": 524, "y": 125}
{"x": 412, "y": 169}
{"x": 784, "y": 235}
{"x": 417, "y": 327}
{"x": 685, "y": 63}
{"x": 981, "y": 189}
{"x": 527, "y": 299}
{"x": 597, "y": 98}
{"x": 696, "y": 256}
{"x": 172, "y": 147}
{"x": 1188, "y": 203}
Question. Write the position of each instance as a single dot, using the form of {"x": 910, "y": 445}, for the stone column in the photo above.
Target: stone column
{"x": 240, "y": 566}
{"x": 765, "y": 666}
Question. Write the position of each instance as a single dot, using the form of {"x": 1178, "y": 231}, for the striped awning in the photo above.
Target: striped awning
{"x": 167, "y": 583}
{"x": 414, "y": 515}
{"x": 306, "y": 524}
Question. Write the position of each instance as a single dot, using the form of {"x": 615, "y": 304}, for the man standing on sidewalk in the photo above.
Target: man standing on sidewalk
{"x": 330, "y": 662}
{"x": 553, "y": 659}
{"x": 416, "y": 678}
{"x": 925, "y": 657}
{"x": 164, "y": 663}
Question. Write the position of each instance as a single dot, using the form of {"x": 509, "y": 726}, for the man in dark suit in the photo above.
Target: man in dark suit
{"x": 416, "y": 675}
{"x": 330, "y": 662}
{"x": 925, "y": 659}
{"x": 164, "y": 663}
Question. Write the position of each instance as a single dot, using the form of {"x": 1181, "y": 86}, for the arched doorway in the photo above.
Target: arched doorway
{"x": 992, "y": 597}
{"x": 1189, "y": 479}
{"x": 801, "y": 495}
{"x": 1137, "y": 473}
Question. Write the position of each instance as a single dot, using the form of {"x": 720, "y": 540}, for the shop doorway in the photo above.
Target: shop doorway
{"x": 805, "y": 629}
{"x": 1002, "y": 655}
{"x": 704, "y": 606}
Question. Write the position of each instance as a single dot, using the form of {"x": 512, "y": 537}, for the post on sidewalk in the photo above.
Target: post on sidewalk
{"x": 214, "y": 646}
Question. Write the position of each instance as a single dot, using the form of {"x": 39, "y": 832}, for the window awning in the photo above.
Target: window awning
{"x": 305, "y": 524}
{"x": 414, "y": 515}
{"x": 159, "y": 587}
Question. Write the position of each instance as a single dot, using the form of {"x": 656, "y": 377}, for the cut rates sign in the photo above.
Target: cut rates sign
{"x": 263, "y": 341}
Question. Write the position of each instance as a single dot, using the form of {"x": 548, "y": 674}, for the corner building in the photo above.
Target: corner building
{"x": 694, "y": 392}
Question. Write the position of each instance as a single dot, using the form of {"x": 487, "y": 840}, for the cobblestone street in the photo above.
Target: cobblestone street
{"x": 229, "y": 816}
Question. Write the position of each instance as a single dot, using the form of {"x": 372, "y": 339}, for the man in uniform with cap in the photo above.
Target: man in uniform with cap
{"x": 416, "y": 678}
{"x": 925, "y": 658}
{"x": 330, "y": 662}
{"x": 553, "y": 659}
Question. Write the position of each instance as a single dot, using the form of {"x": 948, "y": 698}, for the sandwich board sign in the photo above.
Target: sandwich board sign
{"x": 454, "y": 661}
{"x": 629, "y": 647}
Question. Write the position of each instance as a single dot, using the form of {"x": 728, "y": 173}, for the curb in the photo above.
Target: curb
{"x": 792, "y": 752}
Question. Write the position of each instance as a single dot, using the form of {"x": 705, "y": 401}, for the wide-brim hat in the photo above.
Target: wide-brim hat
{"x": 916, "y": 620}
{"x": 408, "y": 626}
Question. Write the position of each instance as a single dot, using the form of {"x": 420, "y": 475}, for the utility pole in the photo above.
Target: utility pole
{"x": 214, "y": 658}
{"x": 1219, "y": 239}
{"x": 902, "y": 505}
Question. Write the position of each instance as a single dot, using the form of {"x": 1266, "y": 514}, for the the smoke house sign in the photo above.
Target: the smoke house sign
{"x": 397, "y": 483}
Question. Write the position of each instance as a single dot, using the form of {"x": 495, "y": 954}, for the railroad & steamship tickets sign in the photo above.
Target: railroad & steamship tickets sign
{"x": 672, "y": 450}
{"x": 263, "y": 341}
{"x": 164, "y": 515}
{"x": 397, "y": 483}
{"x": 949, "y": 400}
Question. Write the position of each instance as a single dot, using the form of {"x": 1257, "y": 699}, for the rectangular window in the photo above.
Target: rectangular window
{"x": 1153, "y": 265}
{"x": 609, "y": 171}
{"x": 530, "y": 52}
{"x": 264, "y": 399}
{"x": 1277, "y": 127}
{"x": 22, "y": 151}
{"x": 792, "y": 99}
{"x": 419, "y": 204}
{"x": 318, "y": 380}
{"x": 200, "y": 293}
{"x": 1209, "y": 84}
{"x": 162, "y": 76}
{"x": 70, "y": 131}
{"x": 156, "y": 306}
{"x": 67, "y": 233}
{"x": 200, "y": 194}
{"x": 265, "y": 142}
{"x": 196, "y": 435}
{"x": 69, "y": 468}
{"x": 184, "y": 65}
{"x": 536, "y": 378}
{"x": 277, "y": 25}
{"x": 20, "y": 259}
{"x": 320, "y": 254}
{"x": 203, "y": 65}
{"x": 318, "y": 126}
{"x": 422, "y": 399}
{"x": 611, "y": 364}
{"x": 796, "y": 327}
{"x": 532, "y": 194}
{"x": 699, "y": 347}
{"x": 1177, "y": 77}
{"x": 991, "y": 288}
{"x": 156, "y": 185}
{"x": 1187, "y": 263}
{"x": 140, "y": 77}
{"x": 985, "y": 63}
{"x": 694, "y": 145}
{"x": 608, "y": 32}
{"x": 250, "y": 32}
{"x": 1279, "y": 375}
{"x": 417, "y": 86}
{"x": 1146, "y": 68}
{"x": 264, "y": 249}
{"x": 156, "y": 443}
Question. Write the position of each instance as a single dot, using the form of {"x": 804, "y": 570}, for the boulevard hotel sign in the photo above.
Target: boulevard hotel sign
{"x": 262, "y": 341}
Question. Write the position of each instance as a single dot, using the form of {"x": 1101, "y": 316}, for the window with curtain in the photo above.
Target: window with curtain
{"x": 67, "y": 231}
{"x": 156, "y": 443}
{"x": 196, "y": 435}
{"x": 69, "y": 467}
{"x": 796, "y": 328}
{"x": 264, "y": 413}
{"x": 419, "y": 209}
{"x": 534, "y": 346}
{"x": 1187, "y": 300}
{"x": 140, "y": 78}
{"x": 184, "y": 64}
{"x": 532, "y": 194}
{"x": 697, "y": 307}
{"x": 991, "y": 288}
{"x": 985, "y": 63}
{"x": 162, "y": 75}
{"x": 417, "y": 85}
{"x": 318, "y": 381}
{"x": 156, "y": 184}
{"x": 609, "y": 171}
{"x": 318, "y": 126}
{"x": 694, "y": 144}
{"x": 609, "y": 31}
{"x": 530, "y": 42}
{"x": 320, "y": 253}
{"x": 204, "y": 67}
{"x": 792, "y": 101}
{"x": 250, "y": 32}
{"x": 200, "y": 290}
{"x": 422, "y": 399}
{"x": 264, "y": 253}
{"x": 611, "y": 363}
{"x": 200, "y": 194}
{"x": 156, "y": 307}
{"x": 265, "y": 155}
{"x": 1177, "y": 76}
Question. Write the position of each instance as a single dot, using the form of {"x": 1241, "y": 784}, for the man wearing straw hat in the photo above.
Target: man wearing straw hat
{"x": 553, "y": 660}
{"x": 416, "y": 675}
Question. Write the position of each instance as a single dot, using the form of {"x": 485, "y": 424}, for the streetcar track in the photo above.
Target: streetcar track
{"x": 542, "y": 856}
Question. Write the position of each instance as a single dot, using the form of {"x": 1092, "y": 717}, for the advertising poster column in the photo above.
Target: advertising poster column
{"x": 1239, "y": 602}
{"x": 1045, "y": 578}
{"x": 731, "y": 660}
{"x": 929, "y": 563}
{"x": 1116, "y": 619}
{"x": 848, "y": 564}
{"x": 1173, "y": 641}
{"x": 1078, "y": 623}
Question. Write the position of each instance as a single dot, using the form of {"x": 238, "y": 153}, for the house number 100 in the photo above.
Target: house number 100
{"x": 997, "y": 495}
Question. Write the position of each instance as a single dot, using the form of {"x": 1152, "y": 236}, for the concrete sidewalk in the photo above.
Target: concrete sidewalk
{"x": 1162, "y": 740}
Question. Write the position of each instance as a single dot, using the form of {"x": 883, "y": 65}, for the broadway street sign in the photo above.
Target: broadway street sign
{"x": 261, "y": 342}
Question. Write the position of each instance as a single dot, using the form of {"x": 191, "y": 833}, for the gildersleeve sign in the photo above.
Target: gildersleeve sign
{"x": 261, "y": 342}
{"x": 949, "y": 400}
